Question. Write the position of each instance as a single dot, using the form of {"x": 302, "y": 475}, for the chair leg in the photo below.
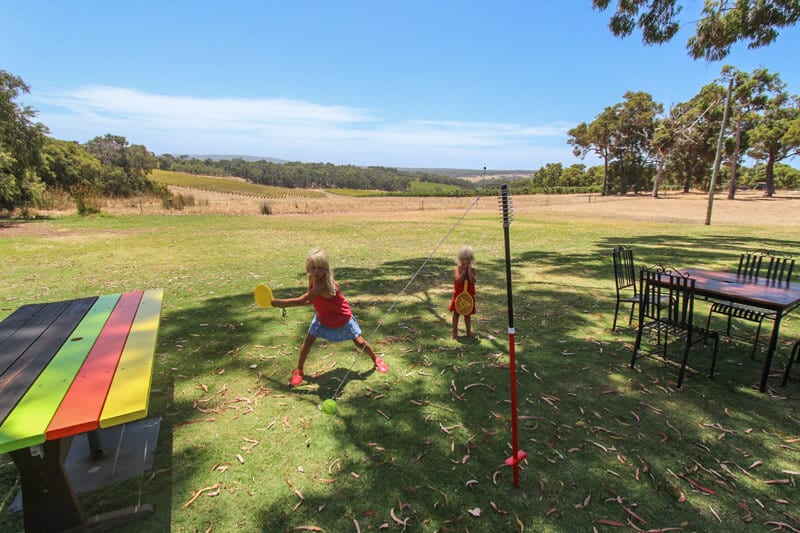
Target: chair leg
{"x": 755, "y": 342}
{"x": 637, "y": 344}
{"x": 794, "y": 355}
{"x": 714, "y": 357}
{"x": 616, "y": 312}
{"x": 630, "y": 317}
{"x": 685, "y": 360}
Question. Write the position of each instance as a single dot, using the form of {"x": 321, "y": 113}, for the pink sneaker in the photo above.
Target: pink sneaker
{"x": 297, "y": 378}
{"x": 381, "y": 366}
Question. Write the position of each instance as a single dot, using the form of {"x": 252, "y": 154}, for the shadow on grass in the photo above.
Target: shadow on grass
{"x": 424, "y": 447}
{"x": 330, "y": 384}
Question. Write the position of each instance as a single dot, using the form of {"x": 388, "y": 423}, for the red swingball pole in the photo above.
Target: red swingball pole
{"x": 517, "y": 454}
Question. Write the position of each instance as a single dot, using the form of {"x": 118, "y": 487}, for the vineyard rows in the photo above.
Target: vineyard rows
{"x": 229, "y": 186}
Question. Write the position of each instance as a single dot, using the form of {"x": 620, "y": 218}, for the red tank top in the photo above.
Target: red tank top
{"x": 332, "y": 312}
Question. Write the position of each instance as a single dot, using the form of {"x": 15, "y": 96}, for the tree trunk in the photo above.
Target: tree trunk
{"x": 769, "y": 190}
{"x": 735, "y": 162}
{"x": 659, "y": 176}
{"x": 605, "y": 175}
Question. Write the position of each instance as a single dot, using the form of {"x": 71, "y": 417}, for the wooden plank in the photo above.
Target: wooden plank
{"x": 23, "y": 327}
{"x": 16, "y": 381}
{"x": 80, "y": 409}
{"x": 129, "y": 395}
{"x": 26, "y": 424}
{"x": 16, "y": 319}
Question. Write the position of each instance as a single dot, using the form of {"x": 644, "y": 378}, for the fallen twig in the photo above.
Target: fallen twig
{"x": 781, "y": 525}
{"x": 698, "y": 486}
{"x": 198, "y": 492}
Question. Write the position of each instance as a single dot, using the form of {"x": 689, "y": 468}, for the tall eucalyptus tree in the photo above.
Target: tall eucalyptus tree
{"x": 597, "y": 137}
{"x": 776, "y": 136}
{"x": 694, "y": 128}
{"x": 750, "y": 96}
{"x": 621, "y": 135}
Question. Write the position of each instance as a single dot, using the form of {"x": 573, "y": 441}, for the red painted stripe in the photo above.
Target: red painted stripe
{"x": 80, "y": 409}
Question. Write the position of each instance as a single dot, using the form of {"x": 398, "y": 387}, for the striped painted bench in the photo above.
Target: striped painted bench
{"x": 68, "y": 368}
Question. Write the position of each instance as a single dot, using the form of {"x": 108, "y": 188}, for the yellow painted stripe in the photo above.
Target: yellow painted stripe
{"x": 129, "y": 395}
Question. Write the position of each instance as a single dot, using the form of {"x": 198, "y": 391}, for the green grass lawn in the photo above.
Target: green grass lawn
{"x": 423, "y": 447}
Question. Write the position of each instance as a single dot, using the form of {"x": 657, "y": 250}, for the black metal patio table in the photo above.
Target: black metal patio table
{"x": 781, "y": 297}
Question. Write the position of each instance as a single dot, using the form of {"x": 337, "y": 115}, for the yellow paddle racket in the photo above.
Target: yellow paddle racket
{"x": 263, "y": 295}
{"x": 464, "y": 301}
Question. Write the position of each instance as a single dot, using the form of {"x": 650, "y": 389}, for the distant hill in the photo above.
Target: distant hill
{"x": 470, "y": 173}
{"x": 219, "y": 157}
{"x": 450, "y": 172}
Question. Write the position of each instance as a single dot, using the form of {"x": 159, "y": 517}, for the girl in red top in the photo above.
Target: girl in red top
{"x": 464, "y": 272}
{"x": 333, "y": 320}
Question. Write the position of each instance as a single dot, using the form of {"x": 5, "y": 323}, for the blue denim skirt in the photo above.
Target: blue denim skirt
{"x": 349, "y": 331}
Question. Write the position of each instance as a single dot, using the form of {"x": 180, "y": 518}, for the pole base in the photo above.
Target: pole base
{"x": 513, "y": 461}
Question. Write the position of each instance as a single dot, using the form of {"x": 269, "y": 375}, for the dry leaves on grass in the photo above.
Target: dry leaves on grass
{"x": 212, "y": 490}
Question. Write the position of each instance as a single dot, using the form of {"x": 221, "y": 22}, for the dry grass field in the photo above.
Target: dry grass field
{"x": 748, "y": 207}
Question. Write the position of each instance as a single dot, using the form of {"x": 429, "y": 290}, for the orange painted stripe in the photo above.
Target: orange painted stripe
{"x": 80, "y": 409}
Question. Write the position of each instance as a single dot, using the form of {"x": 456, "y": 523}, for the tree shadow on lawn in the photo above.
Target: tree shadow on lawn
{"x": 655, "y": 250}
{"x": 428, "y": 441}
{"x": 599, "y": 447}
{"x": 709, "y": 250}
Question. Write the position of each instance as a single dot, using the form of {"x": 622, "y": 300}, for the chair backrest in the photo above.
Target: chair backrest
{"x": 778, "y": 270}
{"x": 667, "y": 297}
{"x": 624, "y": 271}
{"x": 749, "y": 265}
{"x": 773, "y": 268}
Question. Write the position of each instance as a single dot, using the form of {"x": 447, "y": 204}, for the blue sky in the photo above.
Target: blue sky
{"x": 458, "y": 84}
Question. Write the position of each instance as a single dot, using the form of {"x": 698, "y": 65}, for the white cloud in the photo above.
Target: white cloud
{"x": 296, "y": 130}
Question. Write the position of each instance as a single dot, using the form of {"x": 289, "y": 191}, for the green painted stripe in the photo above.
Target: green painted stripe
{"x": 26, "y": 424}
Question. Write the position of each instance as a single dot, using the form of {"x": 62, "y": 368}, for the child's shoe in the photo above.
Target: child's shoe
{"x": 297, "y": 378}
{"x": 381, "y": 366}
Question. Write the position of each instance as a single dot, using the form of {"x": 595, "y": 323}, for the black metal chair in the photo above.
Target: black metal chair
{"x": 795, "y": 355}
{"x": 625, "y": 281}
{"x": 666, "y": 308}
{"x": 775, "y": 270}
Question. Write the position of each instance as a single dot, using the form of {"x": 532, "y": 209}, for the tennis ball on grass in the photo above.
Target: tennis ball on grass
{"x": 329, "y": 407}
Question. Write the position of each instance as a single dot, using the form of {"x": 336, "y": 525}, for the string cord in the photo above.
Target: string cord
{"x": 410, "y": 281}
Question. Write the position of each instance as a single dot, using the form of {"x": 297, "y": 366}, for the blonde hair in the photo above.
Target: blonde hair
{"x": 467, "y": 253}
{"x": 317, "y": 258}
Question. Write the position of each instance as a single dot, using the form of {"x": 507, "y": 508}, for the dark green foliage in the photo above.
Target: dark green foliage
{"x": 786, "y": 177}
{"x": 125, "y": 166}
{"x": 21, "y": 140}
{"x": 722, "y": 23}
{"x": 295, "y": 174}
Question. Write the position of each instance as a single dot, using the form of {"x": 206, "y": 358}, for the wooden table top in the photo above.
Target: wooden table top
{"x": 748, "y": 290}
{"x": 74, "y": 366}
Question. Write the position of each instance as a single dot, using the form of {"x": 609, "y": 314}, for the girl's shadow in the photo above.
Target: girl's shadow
{"x": 463, "y": 339}
{"x": 333, "y": 382}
